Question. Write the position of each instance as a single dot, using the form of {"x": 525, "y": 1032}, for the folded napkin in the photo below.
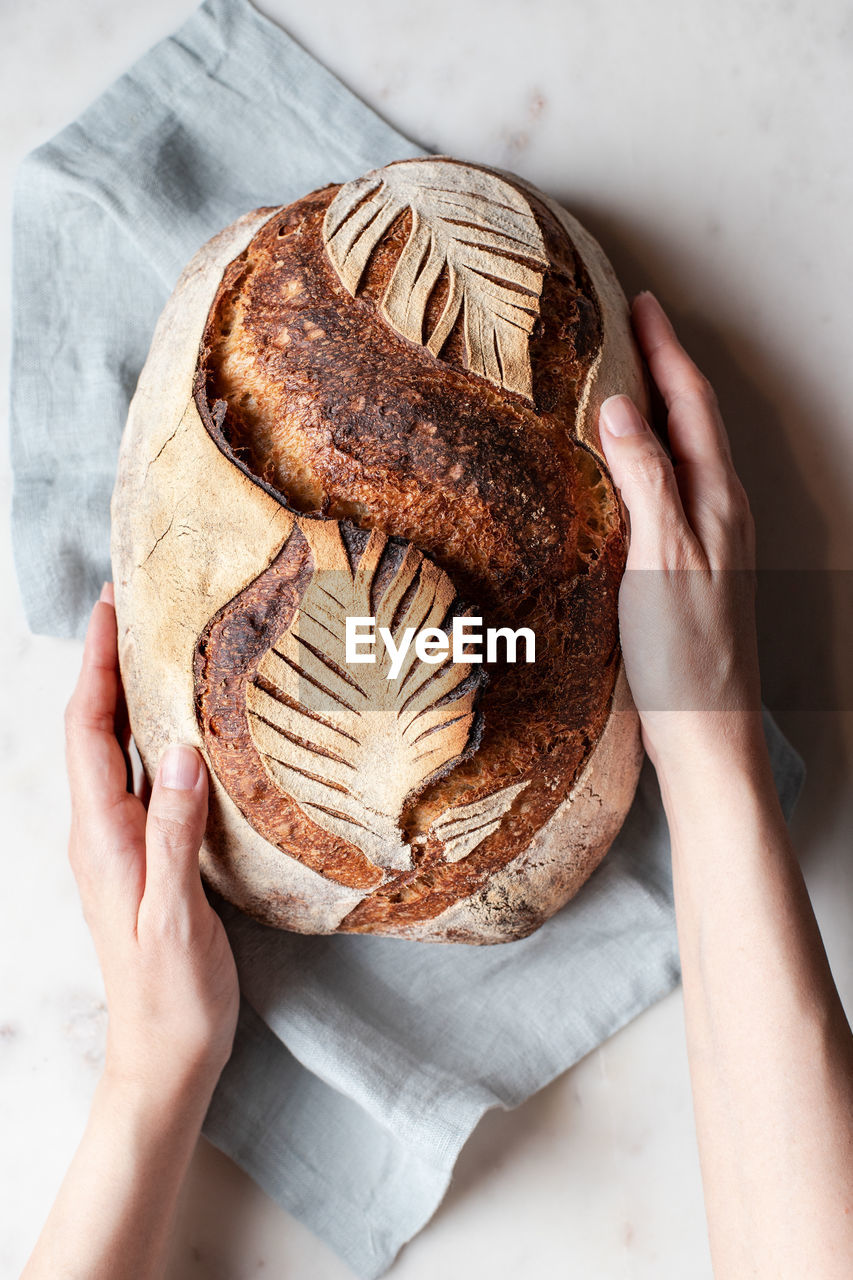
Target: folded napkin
{"x": 361, "y": 1063}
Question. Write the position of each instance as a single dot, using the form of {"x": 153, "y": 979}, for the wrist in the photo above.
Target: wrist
{"x": 177, "y": 1093}
{"x": 687, "y": 747}
{"x": 710, "y": 758}
{"x": 153, "y": 1132}
{"x": 720, "y": 780}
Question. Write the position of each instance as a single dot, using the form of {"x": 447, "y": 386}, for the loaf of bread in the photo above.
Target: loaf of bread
{"x": 381, "y": 402}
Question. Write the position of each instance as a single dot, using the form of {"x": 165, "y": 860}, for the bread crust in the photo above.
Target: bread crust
{"x": 554, "y": 735}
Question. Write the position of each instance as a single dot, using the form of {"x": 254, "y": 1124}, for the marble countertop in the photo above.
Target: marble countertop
{"x": 707, "y": 148}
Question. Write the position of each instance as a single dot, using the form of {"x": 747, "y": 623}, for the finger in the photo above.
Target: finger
{"x": 177, "y": 814}
{"x": 106, "y": 845}
{"x": 694, "y": 424}
{"x": 125, "y": 735}
{"x": 712, "y": 496}
{"x": 644, "y": 476}
{"x": 122, "y": 719}
{"x": 96, "y": 764}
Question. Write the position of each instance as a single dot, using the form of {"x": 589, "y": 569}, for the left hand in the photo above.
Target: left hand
{"x": 169, "y": 975}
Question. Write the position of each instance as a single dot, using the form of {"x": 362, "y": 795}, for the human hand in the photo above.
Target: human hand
{"x": 169, "y": 975}
{"x": 686, "y": 604}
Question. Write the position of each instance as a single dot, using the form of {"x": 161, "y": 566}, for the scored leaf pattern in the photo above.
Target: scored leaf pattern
{"x": 347, "y": 743}
{"x": 463, "y": 827}
{"x": 466, "y": 222}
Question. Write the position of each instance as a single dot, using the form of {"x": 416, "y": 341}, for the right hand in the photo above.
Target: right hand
{"x": 687, "y": 600}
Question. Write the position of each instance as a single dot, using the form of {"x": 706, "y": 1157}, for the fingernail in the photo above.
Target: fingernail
{"x": 179, "y": 768}
{"x": 621, "y": 416}
{"x": 106, "y": 593}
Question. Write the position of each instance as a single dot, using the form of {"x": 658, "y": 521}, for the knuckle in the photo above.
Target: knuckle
{"x": 81, "y": 719}
{"x": 84, "y": 877}
{"x": 733, "y": 504}
{"x": 679, "y": 554}
{"x": 696, "y": 387}
{"x": 650, "y": 466}
{"x": 731, "y": 522}
{"x": 172, "y": 831}
{"x": 743, "y": 528}
{"x": 171, "y": 927}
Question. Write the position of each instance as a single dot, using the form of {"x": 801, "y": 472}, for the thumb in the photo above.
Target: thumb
{"x": 177, "y": 815}
{"x": 645, "y": 478}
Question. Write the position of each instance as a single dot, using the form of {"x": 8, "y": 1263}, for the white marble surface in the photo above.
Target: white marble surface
{"x": 708, "y": 149}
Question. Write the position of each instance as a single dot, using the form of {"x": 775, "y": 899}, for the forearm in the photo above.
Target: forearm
{"x": 113, "y": 1215}
{"x": 771, "y": 1055}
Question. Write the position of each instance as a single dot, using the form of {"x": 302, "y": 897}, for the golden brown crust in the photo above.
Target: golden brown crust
{"x": 312, "y": 393}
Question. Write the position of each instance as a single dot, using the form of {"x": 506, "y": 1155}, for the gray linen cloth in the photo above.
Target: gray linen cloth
{"x": 361, "y": 1063}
